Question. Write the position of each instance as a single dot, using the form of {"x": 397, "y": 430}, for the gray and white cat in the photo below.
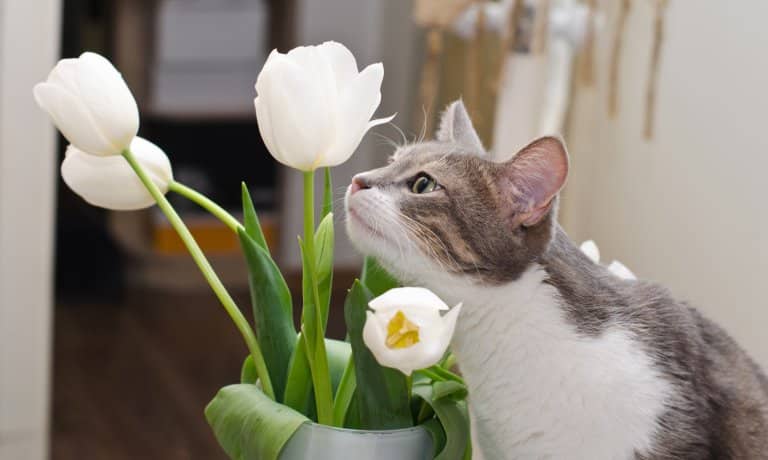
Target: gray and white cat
{"x": 563, "y": 359}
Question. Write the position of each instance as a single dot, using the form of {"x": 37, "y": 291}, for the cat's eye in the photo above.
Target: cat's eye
{"x": 424, "y": 184}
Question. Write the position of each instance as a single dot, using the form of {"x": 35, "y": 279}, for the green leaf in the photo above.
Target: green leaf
{"x": 272, "y": 311}
{"x": 376, "y": 278}
{"x": 449, "y": 389}
{"x": 327, "y": 193}
{"x": 344, "y": 394}
{"x": 314, "y": 333}
{"x": 249, "y": 425}
{"x": 298, "y": 389}
{"x": 339, "y": 354}
{"x": 248, "y": 372}
{"x": 324, "y": 264}
{"x": 454, "y": 417}
{"x": 251, "y": 219}
{"x": 383, "y": 402}
{"x": 437, "y": 432}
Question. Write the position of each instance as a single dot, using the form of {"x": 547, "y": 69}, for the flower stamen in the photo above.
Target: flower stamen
{"x": 401, "y": 332}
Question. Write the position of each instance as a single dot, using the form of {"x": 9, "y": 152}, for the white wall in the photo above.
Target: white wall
{"x": 689, "y": 207}
{"x": 29, "y": 42}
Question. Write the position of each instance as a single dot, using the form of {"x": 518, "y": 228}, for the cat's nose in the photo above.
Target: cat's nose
{"x": 358, "y": 183}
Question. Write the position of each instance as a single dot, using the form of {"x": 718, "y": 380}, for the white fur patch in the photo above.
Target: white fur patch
{"x": 538, "y": 388}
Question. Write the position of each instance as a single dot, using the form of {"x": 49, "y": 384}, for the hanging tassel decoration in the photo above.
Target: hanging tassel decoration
{"x": 660, "y": 7}
{"x": 587, "y": 58}
{"x": 473, "y": 67}
{"x": 430, "y": 79}
{"x": 508, "y": 43}
{"x": 615, "y": 63}
{"x": 540, "y": 27}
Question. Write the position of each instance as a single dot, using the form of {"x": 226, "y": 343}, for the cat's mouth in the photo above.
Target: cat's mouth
{"x": 360, "y": 221}
{"x": 361, "y": 227}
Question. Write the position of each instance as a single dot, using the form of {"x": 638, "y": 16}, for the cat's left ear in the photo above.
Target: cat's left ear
{"x": 456, "y": 126}
{"x": 533, "y": 178}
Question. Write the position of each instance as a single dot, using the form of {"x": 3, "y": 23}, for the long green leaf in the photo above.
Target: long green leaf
{"x": 249, "y": 425}
{"x": 376, "y": 278}
{"x": 272, "y": 311}
{"x": 251, "y": 219}
{"x": 324, "y": 264}
{"x": 327, "y": 193}
{"x": 383, "y": 402}
{"x": 346, "y": 391}
{"x": 454, "y": 417}
{"x": 248, "y": 372}
{"x": 314, "y": 333}
{"x": 298, "y": 389}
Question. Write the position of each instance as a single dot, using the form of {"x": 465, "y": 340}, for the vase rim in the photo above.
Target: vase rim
{"x": 412, "y": 429}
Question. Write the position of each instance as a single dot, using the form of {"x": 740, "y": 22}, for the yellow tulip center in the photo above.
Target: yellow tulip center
{"x": 401, "y": 333}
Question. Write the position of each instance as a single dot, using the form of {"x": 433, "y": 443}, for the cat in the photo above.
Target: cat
{"x": 563, "y": 359}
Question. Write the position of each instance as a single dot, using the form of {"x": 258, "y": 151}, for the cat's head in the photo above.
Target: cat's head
{"x": 443, "y": 206}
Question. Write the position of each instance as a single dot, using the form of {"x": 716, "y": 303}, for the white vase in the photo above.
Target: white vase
{"x": 320, "y": 442}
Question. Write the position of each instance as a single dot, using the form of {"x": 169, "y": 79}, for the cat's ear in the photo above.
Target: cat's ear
{"x": 533, "y": 178}
{"x": 456, "y": 126}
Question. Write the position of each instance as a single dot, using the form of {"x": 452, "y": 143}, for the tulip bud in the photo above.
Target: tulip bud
{"x": 90, "y": 103}
{"x": 405, "y": 329}
{"x": 110, "y": 182}
{"x": 618, "y": 269}
{"x": 313, "y": 106}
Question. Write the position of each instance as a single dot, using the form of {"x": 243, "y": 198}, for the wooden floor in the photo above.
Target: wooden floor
{"x": 131, "y": 380}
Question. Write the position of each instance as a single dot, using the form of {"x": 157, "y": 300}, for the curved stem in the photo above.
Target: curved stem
{"x": 205, "y": 267}
{"x": 205, "y": 203}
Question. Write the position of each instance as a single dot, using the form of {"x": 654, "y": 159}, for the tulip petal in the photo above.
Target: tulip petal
{"x": 72, "y": 118}
{"x": 109, "y": 100}
{"x": 407, "y": 297}
{"x": 342, "y": 62}
{"x": 590, "y": 249}
{"x": 264, "y": 119}
{"x": 375, "y": 339}
{"x": 110, "y": 182}
{"x": 64, "y": 74}
{"x": 621, "y": 270}
{"x": 297, "y": 107}
{"x": 357, "y": 103}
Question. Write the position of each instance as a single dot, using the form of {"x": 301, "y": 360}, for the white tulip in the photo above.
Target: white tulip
{"x": 110, "y": 182}
{"x": 621, "y": 270}
{"x": 406, "y": 330}
{"x": 90, "y": 103}
{"x": 313, "y": 106}
{"x": 590, "y": 249}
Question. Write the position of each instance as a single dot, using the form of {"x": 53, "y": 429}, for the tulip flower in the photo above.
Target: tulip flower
{"x": 313, "y": 106}
{"x": 405, "y": 329}
{"x": 109, "y": 182}
{"x": 90, "y": 103}
{"x": 590, "y": 249}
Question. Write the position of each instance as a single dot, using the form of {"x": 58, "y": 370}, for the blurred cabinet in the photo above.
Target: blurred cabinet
{"x": 207, "y": 54}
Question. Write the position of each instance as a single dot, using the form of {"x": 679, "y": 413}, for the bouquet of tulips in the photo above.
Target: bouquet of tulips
{"x": 313, "y": 108}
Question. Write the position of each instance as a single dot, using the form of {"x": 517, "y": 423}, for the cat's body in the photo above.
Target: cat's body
{"x": 563, "y": 359}
{"x": 600, "y": 368}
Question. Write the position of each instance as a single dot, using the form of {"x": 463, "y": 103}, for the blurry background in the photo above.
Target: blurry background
{"x": 110, "y": 342}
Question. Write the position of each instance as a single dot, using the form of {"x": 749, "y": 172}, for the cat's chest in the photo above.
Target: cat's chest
{"x": 539, "y": 389}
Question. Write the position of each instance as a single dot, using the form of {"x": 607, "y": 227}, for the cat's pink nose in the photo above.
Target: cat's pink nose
{"x": 358, "y": 183}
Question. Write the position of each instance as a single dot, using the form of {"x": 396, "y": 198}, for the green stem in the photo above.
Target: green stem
{"x": 316, "y": 351}
{"x": 205, "y": 203}
{"x": 205, "y": 267}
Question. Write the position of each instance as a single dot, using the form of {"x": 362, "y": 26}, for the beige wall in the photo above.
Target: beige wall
{"x": 689, "y": 207}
